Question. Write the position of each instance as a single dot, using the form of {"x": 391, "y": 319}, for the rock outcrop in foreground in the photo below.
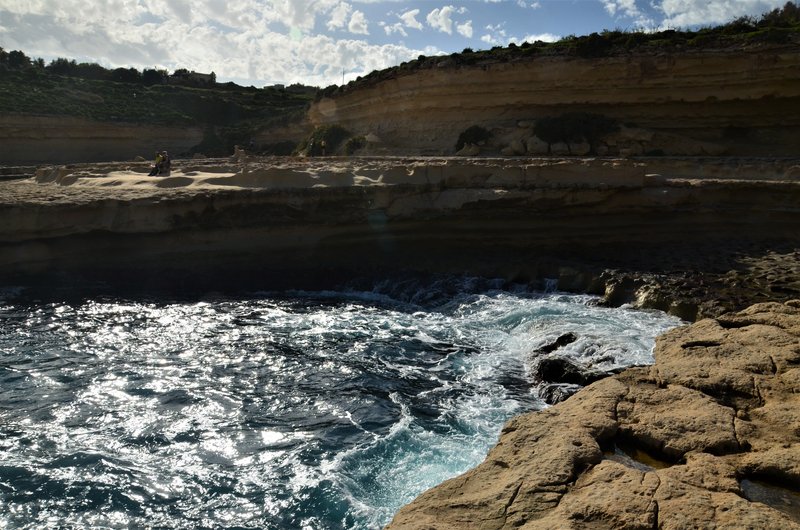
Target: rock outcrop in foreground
{"x": 711, "y": 428}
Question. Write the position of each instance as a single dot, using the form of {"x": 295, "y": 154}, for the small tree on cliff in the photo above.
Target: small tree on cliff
{"x": 472, "y": 135}
{"x": 332, "y": 135}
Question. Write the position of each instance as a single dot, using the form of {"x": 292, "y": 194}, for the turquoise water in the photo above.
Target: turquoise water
{"x": 317, "y": 410}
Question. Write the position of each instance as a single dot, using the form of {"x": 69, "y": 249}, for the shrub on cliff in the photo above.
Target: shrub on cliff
{"x": 575, "y": 127}
{"x": 332, "y": 135}
{"x": 354, "y": 144}
{"x": 594, "y": 45}
{"x": 473, "y": 135}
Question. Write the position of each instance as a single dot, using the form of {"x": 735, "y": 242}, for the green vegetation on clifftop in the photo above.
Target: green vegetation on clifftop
{"x": 34, "y": 92}
{"x": 230, "y": 114}
{"x": 777, "y": 27}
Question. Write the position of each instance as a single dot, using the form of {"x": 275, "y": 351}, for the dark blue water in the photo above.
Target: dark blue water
{"x": 321, "y": 410}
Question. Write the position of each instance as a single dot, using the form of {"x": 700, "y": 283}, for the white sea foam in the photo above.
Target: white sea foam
{"x": 318, "y": 409}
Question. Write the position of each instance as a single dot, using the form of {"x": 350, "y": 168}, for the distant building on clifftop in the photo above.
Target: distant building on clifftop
{"x": 183, "y": 76}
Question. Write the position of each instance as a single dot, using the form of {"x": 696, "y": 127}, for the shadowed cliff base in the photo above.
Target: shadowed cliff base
{"x": 693, "y": 237}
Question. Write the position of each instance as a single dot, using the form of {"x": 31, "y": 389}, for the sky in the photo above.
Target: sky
{"x": 321, "y": 42}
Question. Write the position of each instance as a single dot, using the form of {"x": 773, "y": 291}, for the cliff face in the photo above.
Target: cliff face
{"x": 740, "y": 102}
{"x": 519, "y": 219}
{"x": 59, "y": 140}
{"x": 65, "y": 140}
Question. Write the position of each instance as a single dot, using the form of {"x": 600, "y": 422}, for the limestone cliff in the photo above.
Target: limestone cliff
{"x": 744, "y": 101}
{"x": 59, "y": 139}
{"x": 32, "y": 140}
{"x": 520, "y": 219}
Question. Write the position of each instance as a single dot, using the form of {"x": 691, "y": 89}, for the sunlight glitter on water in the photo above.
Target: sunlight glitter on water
{"x": 291, "y": 410}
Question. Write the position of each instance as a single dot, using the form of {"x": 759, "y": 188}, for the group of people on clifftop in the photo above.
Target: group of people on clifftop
{"x": 162, "y": 164}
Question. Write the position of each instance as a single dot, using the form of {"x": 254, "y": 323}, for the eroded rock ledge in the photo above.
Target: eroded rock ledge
{"x": 691, "y": 236}
{"x": 714, "y": 422}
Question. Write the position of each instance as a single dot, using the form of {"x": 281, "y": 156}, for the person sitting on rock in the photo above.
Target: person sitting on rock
{"x": 162, "y": 165}
{"x": 156, "y": 166}
{"x": 166, "y": 164}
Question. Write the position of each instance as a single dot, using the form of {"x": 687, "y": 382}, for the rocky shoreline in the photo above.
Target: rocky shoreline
{"x": 708, "y": 437}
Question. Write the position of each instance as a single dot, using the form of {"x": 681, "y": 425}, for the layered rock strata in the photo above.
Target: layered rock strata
{"x": 524, "y": 220}
{"x": 58, "y": 139}
{"x": 709, "y": 437}
{"x": 744, "y": 101}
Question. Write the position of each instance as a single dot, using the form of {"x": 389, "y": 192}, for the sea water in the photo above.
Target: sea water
{"x": 308, "y": 410}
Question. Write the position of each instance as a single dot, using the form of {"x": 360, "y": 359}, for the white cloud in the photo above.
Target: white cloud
{"x": 465, "y": 29}
{"x": 497, "y": 35}
{"x": 442, "y": 18}
{"x": 358, "y": 24}
{"x": 544, "y": 37}
{"x": 339, "y": 16}
{"x": 239, "y": 40}
{"x": 394, "y": 28}
{"x": 409, "y": 18}
{"x": 299, "y": 14}
{"x": 628, "y": 9}
{"x": 683, "y": 13}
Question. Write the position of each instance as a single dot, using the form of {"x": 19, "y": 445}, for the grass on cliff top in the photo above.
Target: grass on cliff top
{"x": 777, "y": 27}
{"x": 35, "y": 92}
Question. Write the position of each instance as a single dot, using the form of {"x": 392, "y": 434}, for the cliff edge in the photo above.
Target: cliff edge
{"x": 693, "y": 237}
{"x": 706, "y": 438}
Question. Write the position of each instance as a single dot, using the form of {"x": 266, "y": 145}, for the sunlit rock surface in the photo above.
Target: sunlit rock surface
{"x": 719, "y": 408}
{"x": 743, "y": 101}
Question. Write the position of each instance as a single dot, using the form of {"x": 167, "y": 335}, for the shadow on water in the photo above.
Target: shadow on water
{"x": 784, "y": 500}
{"x": 629, "y": 455}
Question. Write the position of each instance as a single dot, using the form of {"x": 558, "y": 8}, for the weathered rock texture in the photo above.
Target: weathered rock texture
{"x": 524, "y": 220}
{"x": 58, "y": 139}
{"x": 63, "y": 140}
{"x": 744, "y": 102}
{"x": 720, "y": 407}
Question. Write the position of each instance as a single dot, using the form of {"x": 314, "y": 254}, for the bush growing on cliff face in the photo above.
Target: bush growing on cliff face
{"x": 332, "y": 135}
{"x": 473, "y": 135}
{"x": 593, "y": 45}
{"x": 354, "y": 144}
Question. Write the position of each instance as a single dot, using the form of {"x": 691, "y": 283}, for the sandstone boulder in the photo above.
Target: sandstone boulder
{"x": 580, "y": 148}
{"x": 518, "y": 147}
{"x": 469, "y": 150}
{"x": 560, "y": 149}
{"x": 535, "y": 146}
